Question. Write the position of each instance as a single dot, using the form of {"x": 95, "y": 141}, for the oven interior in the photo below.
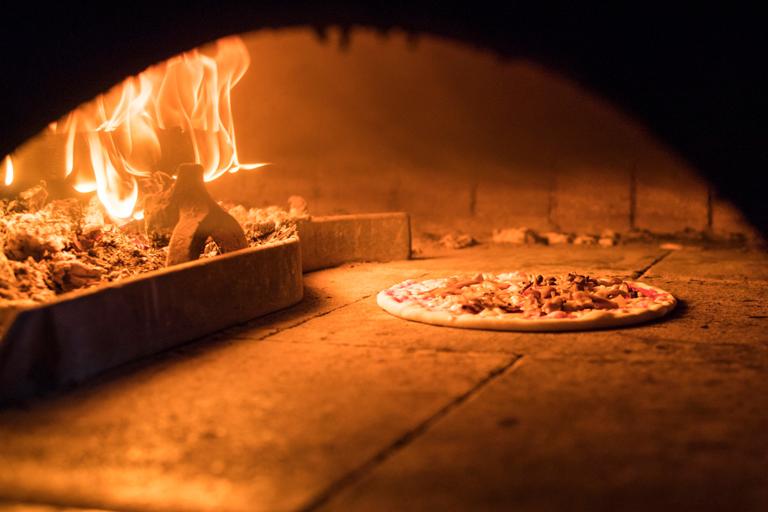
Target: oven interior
{"x": 501, "y": 162}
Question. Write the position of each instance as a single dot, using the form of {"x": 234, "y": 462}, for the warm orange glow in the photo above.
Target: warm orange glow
{"x": 114, "y": 139}
{"x": 85, "y": 187}
{"x": 8, "y": 166}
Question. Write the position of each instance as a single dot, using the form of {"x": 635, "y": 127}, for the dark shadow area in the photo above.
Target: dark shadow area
{"x": 314, "y": 301}
{"x": 680, "y": 311}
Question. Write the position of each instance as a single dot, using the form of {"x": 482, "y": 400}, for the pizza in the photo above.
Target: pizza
{"x": 514, "y": 301}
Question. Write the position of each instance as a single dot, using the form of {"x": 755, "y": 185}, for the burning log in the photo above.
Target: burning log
{"x": 196, "y": 216}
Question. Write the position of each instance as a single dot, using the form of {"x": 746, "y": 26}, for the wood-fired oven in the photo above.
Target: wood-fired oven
{"x": 273, "y": 167}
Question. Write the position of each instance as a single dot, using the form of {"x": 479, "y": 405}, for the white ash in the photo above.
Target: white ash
{"x": 31, "y": 283}
{"x": 271, "y": 223}
{"x": 608, "y": 238}
{"x": 585, "y": 240}
{"x": 457, "y": 241}
{"x": 264, "y": 225}
{"x": 525, "y": 235}
{"x": 65, "y": 245}
{"x": 521, "y": 235}
{"x": 38, "y": 234}
{"x": 35, "y": 197}
{"x": 70, "y": 273}
{"x": 557, "y": 238}
{"x": 297, "y": 207}
{"x": 58, "y": 248}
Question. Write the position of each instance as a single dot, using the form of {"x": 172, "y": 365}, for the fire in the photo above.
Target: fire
{"x": 115, "y": 139}
{"x": 8, "y": 166}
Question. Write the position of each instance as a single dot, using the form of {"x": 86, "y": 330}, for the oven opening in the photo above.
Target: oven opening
{"x": 204, "y": 242}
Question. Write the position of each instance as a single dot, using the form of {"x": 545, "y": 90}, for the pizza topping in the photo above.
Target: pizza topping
{"x": 602, "y": 303}
{"x": 531, "y": 296}
{"x": 517, "y": 301}
{"x": 644, "y": 291}
{"x": 455, "y": 287}
{"x": 553, "y": 304}
{"x": 472, "y": 308}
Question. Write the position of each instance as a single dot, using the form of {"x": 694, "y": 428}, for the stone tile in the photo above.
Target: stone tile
{"x": 719, "y": 319}
{"x": 326, "y": 291}
{"x": 565, "y": 434}
{"x": 7, "y": 506}
{"x": 732, "y": 316}
{"x": 713, "y": 317}
{"x": 234, "y": 425}
{"x": 728, "y": 264}
{"x": 330, "y": 241}
{"x": 668, "y": 415}
{"x": 380, "y": 329}
{"x": 711, "y": 311}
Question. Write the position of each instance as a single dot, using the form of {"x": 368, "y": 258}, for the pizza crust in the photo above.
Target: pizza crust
{"x": 590, "y": 320}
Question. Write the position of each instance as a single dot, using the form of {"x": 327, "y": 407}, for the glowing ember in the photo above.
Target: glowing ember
{"x": 114, "y": 139}
{"x": 8, "y": 167}
{"x": 52, "y": 247}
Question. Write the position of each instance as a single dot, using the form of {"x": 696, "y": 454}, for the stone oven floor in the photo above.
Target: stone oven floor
{"x": 335, "y": 405}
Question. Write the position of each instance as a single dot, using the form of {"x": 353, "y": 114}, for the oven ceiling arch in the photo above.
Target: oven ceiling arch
{"x": 692, "y": 78}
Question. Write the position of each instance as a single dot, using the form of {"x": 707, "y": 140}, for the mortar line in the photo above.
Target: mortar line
{"x": 437, "y": 350}
{"x": 278, "y": 330}
{"x": 473, "y": 199}
{"x": 65, "y": 504}
{"x": 633, "y": 196}
{"x": 637, "y": 274}
{"x": 552, "y": 200}
{"x": 356, "y": 474}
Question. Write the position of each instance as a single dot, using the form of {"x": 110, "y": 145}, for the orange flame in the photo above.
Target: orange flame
{"x": 8, "y": 165}
{"x": 114, "y": 139}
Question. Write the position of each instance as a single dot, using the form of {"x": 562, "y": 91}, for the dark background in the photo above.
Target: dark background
{"x": 695, "y": 77}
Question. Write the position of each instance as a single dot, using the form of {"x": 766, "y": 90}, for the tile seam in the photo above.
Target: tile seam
{"x": 358, "y": 473}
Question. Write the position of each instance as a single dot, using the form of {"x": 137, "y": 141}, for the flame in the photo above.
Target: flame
{"x": 8, "y": 165}
{"x": 114, "y": 139}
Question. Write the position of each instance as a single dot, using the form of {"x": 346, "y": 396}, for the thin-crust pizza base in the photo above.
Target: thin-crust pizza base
{"x": 592, "y": 320}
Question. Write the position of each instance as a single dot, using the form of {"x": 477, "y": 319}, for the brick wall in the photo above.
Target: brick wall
{"x": 455, "y": 136}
